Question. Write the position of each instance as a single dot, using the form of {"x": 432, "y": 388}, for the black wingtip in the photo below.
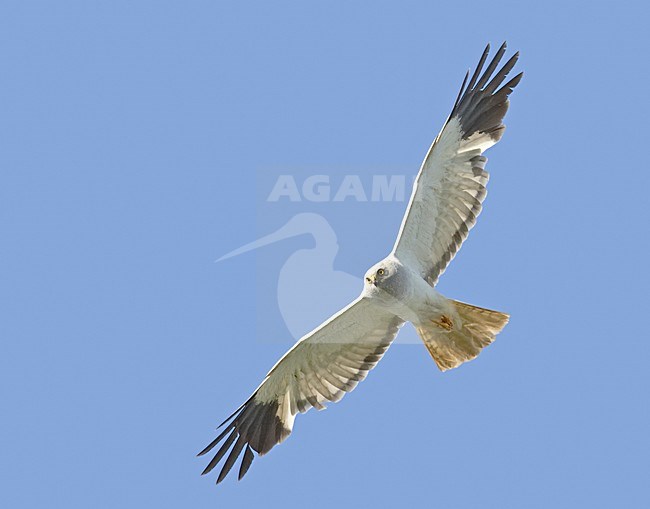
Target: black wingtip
{"x": 246, "y": 462}
{"x": 212, "y": 444}
{"x": 483, "y": 104}
{"x": 514, "y": 81}
{"x": 462, "y": 89}
{"x": 255, "y": 428}
{"x": 479, "y": 67}
{"x": 232, "y": 457}
{"x": 220, "y": 453}
{"x": 231, "y": 416}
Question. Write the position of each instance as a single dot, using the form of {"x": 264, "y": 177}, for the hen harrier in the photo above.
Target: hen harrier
{"x": 335, "y": 357}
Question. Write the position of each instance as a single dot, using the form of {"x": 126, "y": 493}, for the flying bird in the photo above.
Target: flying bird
{"x": 332, "y": 359}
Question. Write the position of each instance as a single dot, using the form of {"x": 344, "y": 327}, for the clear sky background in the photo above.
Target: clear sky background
{"x": 132, "y": 134}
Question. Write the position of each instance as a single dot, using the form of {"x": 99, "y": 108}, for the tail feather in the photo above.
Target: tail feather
{"x": 463, "y": 341}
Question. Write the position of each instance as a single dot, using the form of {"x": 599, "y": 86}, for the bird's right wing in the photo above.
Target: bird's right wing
{"x": 451, "y": 185}
{"x": 321, "y": 367}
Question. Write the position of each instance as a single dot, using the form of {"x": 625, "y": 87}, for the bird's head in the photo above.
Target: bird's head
{"x": 385, "y": 275}
{"x": 377, "y": 275}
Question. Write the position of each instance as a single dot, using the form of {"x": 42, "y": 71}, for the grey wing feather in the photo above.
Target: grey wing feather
{"x": 451, "y": 185}
{"x": 321, "y": 367}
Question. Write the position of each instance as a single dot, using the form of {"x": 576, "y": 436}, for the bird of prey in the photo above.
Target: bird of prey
{"x": 332, "y": 359}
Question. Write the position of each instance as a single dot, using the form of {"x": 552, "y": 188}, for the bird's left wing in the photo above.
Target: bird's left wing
{"x": 321, "y": 367}
{"x": 451, "y": 184}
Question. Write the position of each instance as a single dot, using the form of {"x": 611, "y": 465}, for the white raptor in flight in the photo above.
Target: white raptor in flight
{"x": 332, "y": 359}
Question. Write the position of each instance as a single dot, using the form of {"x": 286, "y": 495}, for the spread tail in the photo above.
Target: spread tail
{"x": 450, "y": 344}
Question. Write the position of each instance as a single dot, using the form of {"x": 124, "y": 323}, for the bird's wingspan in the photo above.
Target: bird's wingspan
{"x": 321, "y": 367}
{"x": 451, "y": 184}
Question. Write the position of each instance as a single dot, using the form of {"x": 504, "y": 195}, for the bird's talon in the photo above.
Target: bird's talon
{"x": 444, "y": 323}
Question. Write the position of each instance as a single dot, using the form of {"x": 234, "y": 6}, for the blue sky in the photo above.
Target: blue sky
{"x": 135, "y": 135}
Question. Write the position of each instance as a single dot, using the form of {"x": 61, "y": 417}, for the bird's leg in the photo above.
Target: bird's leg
{"x": 444, "y": 322}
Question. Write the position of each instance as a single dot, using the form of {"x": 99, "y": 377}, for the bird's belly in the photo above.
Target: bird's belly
{"x": 405, "y": 311}
{"x": 423, "y": 302}
{"x": 417, "y": 305}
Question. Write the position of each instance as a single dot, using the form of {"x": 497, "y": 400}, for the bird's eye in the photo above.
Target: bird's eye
{"x": 381, "y": 272}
